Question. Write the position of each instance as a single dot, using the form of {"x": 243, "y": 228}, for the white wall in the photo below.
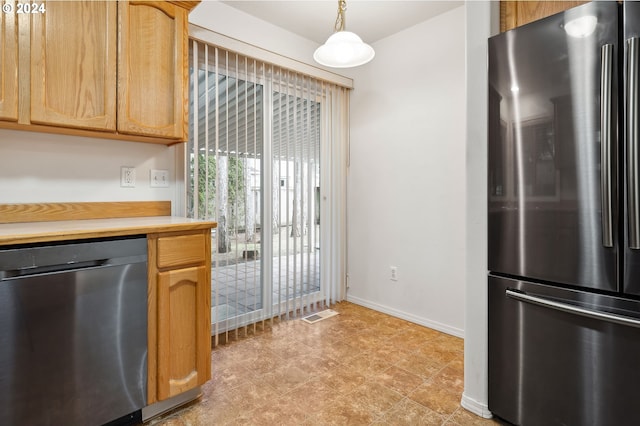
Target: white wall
{"x": 231, "y": 22}
{"x": 40, "y": 167}
{"x": 482, "y": 22}
{"x": 406, "y": 184}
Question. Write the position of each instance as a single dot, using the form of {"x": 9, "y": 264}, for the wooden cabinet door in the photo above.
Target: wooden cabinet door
{"x": 9, "y": 64}
{"x": 152, "y": 69}
{"x": 516, "y": 13}
{"x": 73, "y": 65}
{"x": 184, "y": 324}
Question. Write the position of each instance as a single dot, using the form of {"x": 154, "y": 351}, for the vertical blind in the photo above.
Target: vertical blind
{"x": 267, "y": 159}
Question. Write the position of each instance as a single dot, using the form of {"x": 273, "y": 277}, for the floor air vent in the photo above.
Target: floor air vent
{"x": 319, "y": 316}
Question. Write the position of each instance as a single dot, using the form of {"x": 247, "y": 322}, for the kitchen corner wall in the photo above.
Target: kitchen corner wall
{"x": 482, "y": 22}
{"x": 406, "y": 183}
{"x": 40, "y": 167}
{"x": 407, "y": 177}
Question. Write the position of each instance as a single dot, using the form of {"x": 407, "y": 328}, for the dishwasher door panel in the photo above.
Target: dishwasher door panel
{"x": 552, "y": 367}
{"x": 73, "y": 346}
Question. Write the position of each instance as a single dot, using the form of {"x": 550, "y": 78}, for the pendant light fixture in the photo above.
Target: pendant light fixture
{"x": 343, "y": 49}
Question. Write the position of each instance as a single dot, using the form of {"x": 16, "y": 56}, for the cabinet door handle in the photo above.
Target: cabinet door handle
{"x": 572, "y": 309}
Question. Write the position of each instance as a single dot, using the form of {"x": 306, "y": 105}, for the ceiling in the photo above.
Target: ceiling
{"x": 372, "y": 20}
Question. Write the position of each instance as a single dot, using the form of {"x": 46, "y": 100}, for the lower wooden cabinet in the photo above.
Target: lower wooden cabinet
{"x": 179, "y": 313}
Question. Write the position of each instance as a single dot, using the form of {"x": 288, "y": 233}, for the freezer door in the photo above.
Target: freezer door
{"x": 561, "y": 357}
{"x": 631, "y": 166}
{"x": 552, "y": 149}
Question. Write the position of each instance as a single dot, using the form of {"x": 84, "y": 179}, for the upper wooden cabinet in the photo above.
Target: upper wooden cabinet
{"x": 516, "y": 13}
{"x": 152, "y": 69}
{"x": 73, "y": 66}
{"x": 9, "y": 65}
{"x": 97, "y": 68}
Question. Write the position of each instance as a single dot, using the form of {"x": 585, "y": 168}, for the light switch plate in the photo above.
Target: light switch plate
{"x": 159, "y": 179}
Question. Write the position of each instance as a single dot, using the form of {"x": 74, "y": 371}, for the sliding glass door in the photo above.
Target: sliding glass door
{"x": 254, "y": 167}
{"x": 295, "y": 192}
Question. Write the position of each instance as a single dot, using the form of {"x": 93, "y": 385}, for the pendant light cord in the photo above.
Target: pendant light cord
{"x": 343, "y": 49}
{"x": 340, "y": 19}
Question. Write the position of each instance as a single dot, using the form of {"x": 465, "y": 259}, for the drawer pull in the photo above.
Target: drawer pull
{"x": 572, "y": 309}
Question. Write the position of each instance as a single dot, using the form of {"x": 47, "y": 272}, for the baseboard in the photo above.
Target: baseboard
{"x": 409, "y": 317}
{"x": 475, "y": 407}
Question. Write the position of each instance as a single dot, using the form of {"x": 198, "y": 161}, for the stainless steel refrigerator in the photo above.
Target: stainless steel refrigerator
{"x": 563, "y": 219}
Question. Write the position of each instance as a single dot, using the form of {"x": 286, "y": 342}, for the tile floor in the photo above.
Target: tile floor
{"x": 361, "y": 367}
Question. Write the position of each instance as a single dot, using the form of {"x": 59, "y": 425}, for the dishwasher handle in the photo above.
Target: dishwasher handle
{"x": 31, "y": 271}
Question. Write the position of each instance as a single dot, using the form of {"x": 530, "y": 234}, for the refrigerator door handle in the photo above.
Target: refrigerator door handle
{"x": 605, "y": 144}
{"x": 572, "y": 309}
{"x": 633, "y": 196}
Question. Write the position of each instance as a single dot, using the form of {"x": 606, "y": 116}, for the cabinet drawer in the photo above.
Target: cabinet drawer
{"x": 181, "y": 250}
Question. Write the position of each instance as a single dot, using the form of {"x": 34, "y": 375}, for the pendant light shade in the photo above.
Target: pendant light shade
{"x": 343, "y": 49}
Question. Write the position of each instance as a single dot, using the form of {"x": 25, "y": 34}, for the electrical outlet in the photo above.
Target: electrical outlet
{"x": 393, "y": 273}
{"x": 159, "y": 178}
{"x": 127, "y": 177}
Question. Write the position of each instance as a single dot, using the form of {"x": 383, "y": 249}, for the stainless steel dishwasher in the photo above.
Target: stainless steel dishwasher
{"x": 73, "y": 332}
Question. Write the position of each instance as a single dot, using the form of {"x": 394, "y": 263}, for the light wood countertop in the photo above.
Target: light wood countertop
{"x": 37, "y": 232}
